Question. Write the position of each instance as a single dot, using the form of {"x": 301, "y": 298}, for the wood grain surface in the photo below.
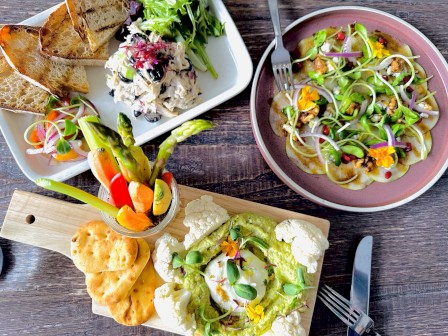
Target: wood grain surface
{"x": 42, "y": 293}
{"x": 50, "y": 223}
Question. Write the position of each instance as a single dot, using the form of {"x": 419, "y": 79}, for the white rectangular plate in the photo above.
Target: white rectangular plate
{"x": 230, "y": 59}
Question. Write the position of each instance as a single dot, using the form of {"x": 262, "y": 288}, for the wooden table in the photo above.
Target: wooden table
{"x": 42, "y": 293}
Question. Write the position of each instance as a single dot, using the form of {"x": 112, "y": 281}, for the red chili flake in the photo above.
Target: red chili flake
{"x": 408, "y": 147}
{"x": 326, "y": 130}
{"x": 345, "y": 158}
{"x": 388, "y": 174}
{"x": 409, "y": 89}
{"x": 385, "y": 77}
{"x": 340, "y": 36}
{"x": 321, "y": 140}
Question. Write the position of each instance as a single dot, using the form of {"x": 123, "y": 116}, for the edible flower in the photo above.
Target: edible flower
{"x": 229, "y": 247}
{"x": 256, "y": 313}
{"x": 382, "y": 155}
{"x": 307, "y": 98}
{"x": 378, "y": 49}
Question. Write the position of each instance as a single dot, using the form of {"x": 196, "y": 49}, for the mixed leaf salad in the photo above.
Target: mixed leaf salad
{"x": 57, "y": 134}
{"x": 361, "y": 110}
{"x": 187, "y": 21}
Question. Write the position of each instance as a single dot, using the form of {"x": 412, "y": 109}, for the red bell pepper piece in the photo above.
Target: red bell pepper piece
{"x": 167, "y": 177}
{"x": 119, "y": 192}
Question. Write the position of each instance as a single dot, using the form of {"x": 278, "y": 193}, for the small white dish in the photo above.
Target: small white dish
{"x": 230, "y": 59}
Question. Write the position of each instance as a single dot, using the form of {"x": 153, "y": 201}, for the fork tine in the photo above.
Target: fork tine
{"x": 277, "y": 78}
{"x": 342, "y": 299}
{"x": 335, "y": 311}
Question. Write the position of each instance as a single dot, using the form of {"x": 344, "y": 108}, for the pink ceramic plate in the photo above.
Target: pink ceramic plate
{"x": 318, "y": 188}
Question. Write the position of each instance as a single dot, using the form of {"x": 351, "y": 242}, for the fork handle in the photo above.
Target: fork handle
{"x": 273, "y": 9}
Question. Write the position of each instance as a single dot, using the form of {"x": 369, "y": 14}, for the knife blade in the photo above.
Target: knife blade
{"x": 360, "y": 289}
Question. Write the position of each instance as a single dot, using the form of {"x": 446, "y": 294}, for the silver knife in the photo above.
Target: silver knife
{"x": 360, "y": 290}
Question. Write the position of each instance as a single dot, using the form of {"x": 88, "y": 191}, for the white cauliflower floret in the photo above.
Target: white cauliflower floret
{"x": 307, "y": 241}
{"x": 287, "y": 326}
{"x": 171, "y": 306}
{"x": 202, "y": 216}
{"x": 165, "y": 246}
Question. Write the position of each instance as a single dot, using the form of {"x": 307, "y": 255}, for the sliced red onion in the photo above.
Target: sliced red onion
{"x": 76, "y": 146}
{"x": 40, "y": 132}
{"x": 80, "y": 113}
{"x": 404, "y": 96}
{"x": 52, "y": 161}
{"x": 423, "y": 110}
{"x": 33, "y": 151}
{"x": 344, "y": 54}
{"x": 347, "y": 46}
{"x": 317, "y": 145}
{"x": 384, "y": 64}
{"x": 380, "y": 144}
{"x": 401, "y": 144}
{"x": 413, "y": 97}
{"x": 315, "y": 135}
{"x": 390, "y": 135}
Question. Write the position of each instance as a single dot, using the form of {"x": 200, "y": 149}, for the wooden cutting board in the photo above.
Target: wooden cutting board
{"x": 50, "y": 223}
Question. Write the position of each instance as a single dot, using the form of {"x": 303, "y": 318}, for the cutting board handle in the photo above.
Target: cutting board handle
{"x": 44, "y": 221}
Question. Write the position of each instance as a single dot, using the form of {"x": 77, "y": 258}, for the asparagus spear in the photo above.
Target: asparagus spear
{"x": 179, "y": 134}
{"x": 125, "y": 131}
{"x": 126, "y": 161}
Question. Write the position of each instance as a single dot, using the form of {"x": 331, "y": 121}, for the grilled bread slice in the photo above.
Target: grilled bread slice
{"x": 19, "y": 95}
{"x": 60, "y": 42}
{"x": 20, "y": 45}
{"x": 97, "y": 20}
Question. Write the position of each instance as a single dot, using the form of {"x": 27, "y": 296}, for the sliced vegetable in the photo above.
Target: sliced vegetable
{"x": 168, "y": 178}
{"x": 103, "y": 166}
{"x": 131, "y": 220}
{"x": 119, "y": 192}
{"x": 78, "y": 194}
{"x": 142, "y": 196}
{"x": 162, "y": 197}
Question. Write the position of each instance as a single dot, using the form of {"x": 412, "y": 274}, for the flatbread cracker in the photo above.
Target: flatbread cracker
{"x": 97, "y": 248}
{"x": 138, "y": 307}
{"x": 112, "y": 286}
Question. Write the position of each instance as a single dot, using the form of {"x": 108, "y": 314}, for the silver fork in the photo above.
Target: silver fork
{"x": 353, "y": 317}
{"x": 280, "y": 58}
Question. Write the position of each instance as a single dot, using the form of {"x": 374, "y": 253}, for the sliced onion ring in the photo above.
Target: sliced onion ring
{"x": 315, "y": 135}
{"x": 390, "y": 135}
{"x": 344, "y": 54}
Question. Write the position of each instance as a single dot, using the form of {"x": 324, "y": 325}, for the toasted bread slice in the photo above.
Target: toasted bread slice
{"x": 97, "y": 20}
{"x": 60, "y": 42}
{"x": 20, "y": 45}
{"x": 19, "y": 95}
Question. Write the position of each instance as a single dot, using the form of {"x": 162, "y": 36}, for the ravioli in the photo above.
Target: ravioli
{"x": 361, "y": 111}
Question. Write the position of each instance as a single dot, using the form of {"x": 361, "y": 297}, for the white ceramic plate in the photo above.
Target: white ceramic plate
{"x": 230, "y": 59}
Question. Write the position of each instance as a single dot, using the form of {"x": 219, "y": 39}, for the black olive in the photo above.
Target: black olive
{"x": 152, "y": 117}
{"x": 162, "y": 88}
{"x": 121, "y": 33}
{"x": 156, "y": 73}
{"x": 137, "y": 113}
{"x": 111, "y": 93}
{"x": 138, "y": 36}
{"x": 123, "y": 78}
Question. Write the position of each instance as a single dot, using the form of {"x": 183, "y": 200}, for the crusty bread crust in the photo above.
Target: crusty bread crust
{"x": 97, "y": 20}
{"x": 20, "y": 45}
{"x": 19, "y": 95}
{"x": 60, "y": 42}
